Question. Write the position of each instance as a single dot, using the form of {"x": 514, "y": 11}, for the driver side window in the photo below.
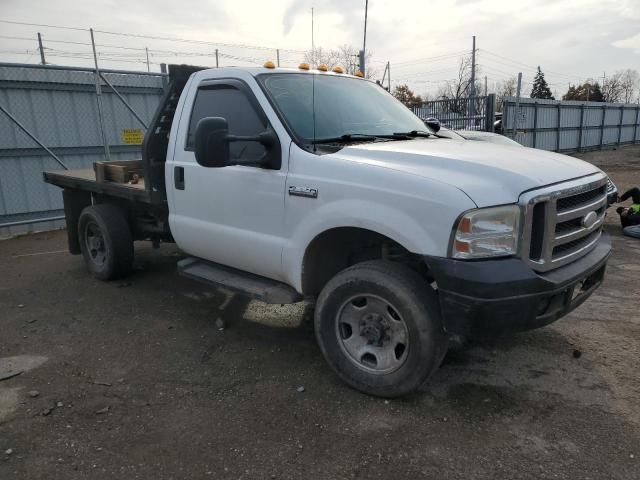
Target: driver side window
{"x": 233, "y": 105}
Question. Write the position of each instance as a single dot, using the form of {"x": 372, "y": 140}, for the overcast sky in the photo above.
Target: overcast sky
{"x": 570, "y": 39}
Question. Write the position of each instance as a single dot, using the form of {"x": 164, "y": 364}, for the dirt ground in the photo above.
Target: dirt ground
{"x": 135, "y": 380}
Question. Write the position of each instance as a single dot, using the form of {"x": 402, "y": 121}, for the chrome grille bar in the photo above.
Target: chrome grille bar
{"x": 581, "y": 211}
{"x": 578, "y": 233}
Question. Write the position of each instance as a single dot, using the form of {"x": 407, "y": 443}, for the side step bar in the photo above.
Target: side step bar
{"x": 248, "y": 284}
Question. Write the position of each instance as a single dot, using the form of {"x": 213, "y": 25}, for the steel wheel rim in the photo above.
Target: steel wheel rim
{"x": 94, "y": 241}
{"x": 372, "y": 334}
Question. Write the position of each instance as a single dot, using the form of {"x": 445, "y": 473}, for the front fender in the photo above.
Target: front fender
{"x": 380, "y": 218}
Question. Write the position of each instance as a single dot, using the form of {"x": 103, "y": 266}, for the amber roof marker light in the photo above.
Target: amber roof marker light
{"x": 303, "y": 66}
{"x": 269, "y": 64}
{"x": 337, "y": 69}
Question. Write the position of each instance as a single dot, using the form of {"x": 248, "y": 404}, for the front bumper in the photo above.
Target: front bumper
{"x": 490, "y": 296}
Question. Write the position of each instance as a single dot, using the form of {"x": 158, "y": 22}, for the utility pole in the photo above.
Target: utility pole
{"x": 216, "y": 58}
{"x": 42, "y": 61}
{"x": 366, "y": 9}
{"x": 362, "y": 53}
{"x": 517, "y": 110}
{"x": 313, "y": 48}
{"x": 386, "y": 75}
{"x": 473, "y": 68}
{"x": 147, "y": 52}
{"x": 364, "y": 41}
{"x": 485, "y": 86}
{"x": 389, "y": 75}
{"x": 278, "y": 57}
{"x": 472, "y": 104}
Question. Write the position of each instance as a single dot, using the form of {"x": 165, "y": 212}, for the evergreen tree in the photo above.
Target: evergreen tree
{"x": 588, "y": 91}
{"x": 540, "y": 87}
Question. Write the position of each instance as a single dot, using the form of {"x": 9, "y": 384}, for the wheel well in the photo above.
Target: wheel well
{"x": 147, "y": 222}
{"x": 334, "y": 250}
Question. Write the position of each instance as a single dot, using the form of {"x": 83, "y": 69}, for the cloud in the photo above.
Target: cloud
{"x": 348, "y": 11}
{"x": 630, "y": 8}
{"x": 632, "y": 43}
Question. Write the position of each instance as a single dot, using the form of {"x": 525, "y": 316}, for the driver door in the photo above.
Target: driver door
{"x": 231, "y": 215}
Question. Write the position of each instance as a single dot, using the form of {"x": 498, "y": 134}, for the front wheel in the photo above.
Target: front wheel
{"x": 106, "y": 241}
{"x": 378, "y": 325}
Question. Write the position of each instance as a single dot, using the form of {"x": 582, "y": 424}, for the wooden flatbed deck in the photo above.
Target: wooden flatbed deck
{"x": 85, "y": 179}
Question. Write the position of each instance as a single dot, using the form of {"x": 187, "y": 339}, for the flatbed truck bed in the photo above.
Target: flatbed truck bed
{"x": 85, "y": 180}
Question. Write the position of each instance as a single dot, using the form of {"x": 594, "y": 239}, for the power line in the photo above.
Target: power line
{"x": 427, "y": 73}
{"x": 196, "y": 42}
{"x": 69, "y": 42}
{"x": 495, "y": 72}
{"x": 531, "y": 66}
{"x": 429, "y": 59}
{"x": 44, "y": 25}
{"x": 444, "y": 80}
{"x": 152, "y": 37}
{"x": 491, "y": 68}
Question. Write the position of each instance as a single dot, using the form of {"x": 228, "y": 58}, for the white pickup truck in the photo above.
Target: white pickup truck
{"x": 292, "y": 184}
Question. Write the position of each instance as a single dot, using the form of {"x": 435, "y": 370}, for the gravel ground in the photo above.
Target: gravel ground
{"x": 135, "y": 379}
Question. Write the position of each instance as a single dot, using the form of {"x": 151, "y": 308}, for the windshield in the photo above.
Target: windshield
{"x": 344, "y": 106}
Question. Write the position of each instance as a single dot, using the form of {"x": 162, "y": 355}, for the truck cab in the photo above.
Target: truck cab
{"x": 294, "y": 183}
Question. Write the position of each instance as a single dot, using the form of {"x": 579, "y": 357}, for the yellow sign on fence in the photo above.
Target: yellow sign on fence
{"x": 132, "y": 136}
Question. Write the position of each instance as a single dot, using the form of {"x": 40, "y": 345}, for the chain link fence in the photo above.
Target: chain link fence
{"x": 54, "y": 117}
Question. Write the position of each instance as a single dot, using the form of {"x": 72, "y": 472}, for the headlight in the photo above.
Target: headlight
{"x": 487, "y": 232}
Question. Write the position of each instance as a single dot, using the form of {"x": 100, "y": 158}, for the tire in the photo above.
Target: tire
{"x": 378, "y": 325}
{"x": 105, "y": 241}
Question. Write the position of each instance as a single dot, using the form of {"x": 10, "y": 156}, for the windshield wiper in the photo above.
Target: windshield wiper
{"x": 414, "y": 133}
{"x": 349, "y": 137}
{"x": 355, "y": 137}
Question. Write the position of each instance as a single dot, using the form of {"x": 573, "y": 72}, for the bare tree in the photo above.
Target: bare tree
{"x": 426, "y": 97}
{"x": 613, "y": 87}
{"x": 630, "y": 85}
{"x": 507, "y": 88}
{"x": 460, "y": 86}
{"x": 345, "y": 56}
{"x": 318, "y": 55}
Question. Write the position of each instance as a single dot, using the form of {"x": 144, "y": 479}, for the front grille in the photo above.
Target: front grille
{"x": 563, "y": 222}
{"x": 610, "y": 186}
{"x": 575, "y": 201}
{"x": 568, "y": 226}
{"x": 574, "y": 224}
{"x": 574, "y": 245}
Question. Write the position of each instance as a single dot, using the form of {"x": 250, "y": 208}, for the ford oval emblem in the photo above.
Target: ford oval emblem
{"x": 589, "y": 220}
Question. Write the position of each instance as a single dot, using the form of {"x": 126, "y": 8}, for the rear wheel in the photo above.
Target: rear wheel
{"x": 106, "y": 241}
{"x": 378, "y": 325}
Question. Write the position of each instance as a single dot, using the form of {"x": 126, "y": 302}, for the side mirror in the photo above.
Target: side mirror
{"x": 433, "y": 124}
{"x": 212, "y": 142}
{"x": 212, "y": 145}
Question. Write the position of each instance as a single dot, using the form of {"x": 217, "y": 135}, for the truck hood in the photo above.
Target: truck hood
{"x": 489, "y": 174}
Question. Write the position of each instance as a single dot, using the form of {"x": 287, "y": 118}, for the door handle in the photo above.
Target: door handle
{"x": 178, "y": 177}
